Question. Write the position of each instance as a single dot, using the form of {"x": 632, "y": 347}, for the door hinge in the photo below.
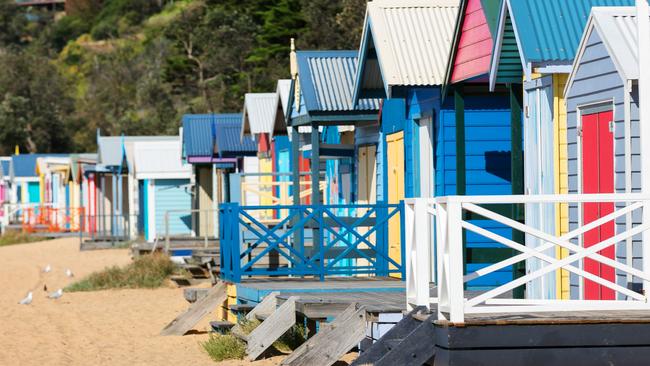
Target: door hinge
{"x": 611, "y": 126}
{"x": 580, "y": 131}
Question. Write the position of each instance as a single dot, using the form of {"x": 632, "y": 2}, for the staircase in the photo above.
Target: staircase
{"x": 409, "y": 342}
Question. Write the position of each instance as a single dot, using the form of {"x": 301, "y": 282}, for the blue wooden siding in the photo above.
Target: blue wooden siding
{"x": 597, "y": 80}
{"x": 421, "y": 103}
{"x": 173, "y": 194}
{"x": 488, "y": 146}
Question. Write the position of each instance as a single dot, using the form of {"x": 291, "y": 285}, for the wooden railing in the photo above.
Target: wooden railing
{"x": 449, "y": 215}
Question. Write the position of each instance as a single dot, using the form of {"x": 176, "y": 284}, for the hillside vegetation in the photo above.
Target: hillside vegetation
{"x": 136, "y": 66}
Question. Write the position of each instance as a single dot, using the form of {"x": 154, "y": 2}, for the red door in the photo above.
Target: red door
{"x": 598, "y": 177}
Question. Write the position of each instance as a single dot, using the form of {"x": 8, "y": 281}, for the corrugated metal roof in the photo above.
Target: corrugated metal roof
{"x": 550, "y": 30}
{"x": 159, "y": 160}
{"x": 200, "y": 133}
{"x": 327, "y": 81}
{"x": 5, "y": 162}
{"x": 112, "y": 149}
{"x": 228, "y": 139}
{"x": 617, "y": 28}
{"x": 279, "y": 115}
{"x": 412, "y": 40}
{"x": 259, "y": 113}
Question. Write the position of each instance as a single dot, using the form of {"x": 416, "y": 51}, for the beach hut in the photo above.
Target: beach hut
{"x": 165, "y": 189}
{"x": 54, "y": 174}
{"x": 5, "y": 181}
{"x": 536, "y": 43}
{"x": 26, "y": 185}
{"x": 212, "y": 165}
{"x": 83, "y": 182}
{"x": 403, "y": 61}
{"x": 604, "y": 151}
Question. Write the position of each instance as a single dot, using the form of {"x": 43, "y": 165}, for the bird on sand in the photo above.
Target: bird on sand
{"x": 56, "y": 294}
{"x": 69, "y": 273}
{"x": 27, "y": 300}
{"x": 47, "y": 269}
{"x": 45, "y": 287}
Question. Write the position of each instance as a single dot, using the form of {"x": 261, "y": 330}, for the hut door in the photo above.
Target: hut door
{"x": 395, "y": 161}
{"x": 539, "y": 176}
{"x": 598, "y": 177}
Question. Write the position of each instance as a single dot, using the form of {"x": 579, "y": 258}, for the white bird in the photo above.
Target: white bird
{"x": 56, "y": 294}
{"x": 69, "y": 273}
{"x": 27, "y": 300}
{"x": 47, "y": 269}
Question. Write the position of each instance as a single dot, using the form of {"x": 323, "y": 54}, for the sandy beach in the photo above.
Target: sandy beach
{"x": 114, "y": 327}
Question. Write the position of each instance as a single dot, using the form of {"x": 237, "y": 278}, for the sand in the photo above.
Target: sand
{"x": 114, "y": 327}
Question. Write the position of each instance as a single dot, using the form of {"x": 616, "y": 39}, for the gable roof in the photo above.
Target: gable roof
{"x": 112, "y": 151}
{"x": 259, "y": 113}
{"x": 546, "y": 31}
{"x": 327, "y": 81}
{"x": 203, "y": 133}
{"x": 405, "y": 43}
{"x": 617, "y": 28}
{"x": 473, "y": 42}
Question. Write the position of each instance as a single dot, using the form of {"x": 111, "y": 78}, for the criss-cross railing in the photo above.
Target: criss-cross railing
{"x": 310, "y": 240}
{"x": 599, "y": 223}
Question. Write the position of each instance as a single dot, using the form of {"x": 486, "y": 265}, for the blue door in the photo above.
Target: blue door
{"x": 173, "y": 196}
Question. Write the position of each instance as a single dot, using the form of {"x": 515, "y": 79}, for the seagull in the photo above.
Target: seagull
{"x": 45, "y": 287}
{"x": 56, "y": 295}
{"x": 47, "y": 269}
{"x": 69, "y": 273}
{"x": 27, "y": 300}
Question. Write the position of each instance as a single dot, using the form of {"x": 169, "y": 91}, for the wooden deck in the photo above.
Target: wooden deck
{"x": 325, "y": 305}
{"x": 561, "y": 338}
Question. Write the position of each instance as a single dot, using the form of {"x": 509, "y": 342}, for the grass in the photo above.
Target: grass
{"x": 224, "y": 347}
{"x": 149, "y": 271}
{"x": 17, "y": 237}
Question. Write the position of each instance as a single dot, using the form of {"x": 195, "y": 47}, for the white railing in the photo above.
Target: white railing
{"x": 454, "y": 303}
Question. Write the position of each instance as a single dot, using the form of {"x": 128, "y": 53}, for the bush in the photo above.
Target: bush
{"x": 224, "y": 347}
{"x": 148, "y": 271}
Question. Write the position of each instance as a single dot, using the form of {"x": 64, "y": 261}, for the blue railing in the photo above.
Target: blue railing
{"x": 312, "y": 240}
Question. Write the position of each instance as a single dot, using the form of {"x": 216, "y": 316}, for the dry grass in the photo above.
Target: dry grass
{"x": 224, "y": 347}
{"x": 148, "y": 271}
{"x": 17, "y": 237}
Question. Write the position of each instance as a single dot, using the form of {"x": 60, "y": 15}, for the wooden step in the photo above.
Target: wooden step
{"x": 330, "y": 344}
{"x": 417, "y": 348}
{"x": 241, "y": 308}
{"x": 221, "y": 326}
{"x": 197, "y": 311}
{"x": 391, "y": 339}
{"x": 272, "y": 328}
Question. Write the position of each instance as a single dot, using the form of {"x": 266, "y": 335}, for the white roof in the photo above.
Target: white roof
{"x": 617, "y": 28}
{"x": 159, "y": 160}
{"x": 413, "y": 40}
{"x": 259, "y": 113}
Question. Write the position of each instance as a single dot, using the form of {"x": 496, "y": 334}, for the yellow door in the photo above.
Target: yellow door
{"x": 266, "y": 187}
{"x": 395, "y": 167}
{"x": 367, "y": 189}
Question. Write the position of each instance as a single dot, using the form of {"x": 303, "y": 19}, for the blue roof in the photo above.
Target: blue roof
{"x": 229, "y": 140}
{"x": 24, "y": 165}
{"x": 202, "y": 131}
{"x": 327, "y": 81}
{"x": 5, "y": 167}
{"x": 550, "y": 30}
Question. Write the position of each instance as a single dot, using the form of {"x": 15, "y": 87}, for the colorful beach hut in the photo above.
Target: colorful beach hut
{"x": 402, "y": 59}
{"x": 536, "y": 43}
{"x": 165, "y": 189}
{"x": 604, "y": 152}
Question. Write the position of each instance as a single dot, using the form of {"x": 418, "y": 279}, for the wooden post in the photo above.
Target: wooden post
{"x": 517, "y": 175}
{"x": 644, "y": 110}
{"x": 461, "y": 155}
{"x": 315, "y": 192}
{"x": 167, "y": 232}
{"x": 455, "y": 256}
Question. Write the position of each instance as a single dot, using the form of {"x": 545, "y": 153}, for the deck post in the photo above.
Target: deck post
{"x": 422, "y": 246}
{"x": 644, "y": 110}
{"x": 295, "y": 172}
{"x": 315, "y": 195}
{"x": 455, "y": 267}
{"x": 461, "y": 169}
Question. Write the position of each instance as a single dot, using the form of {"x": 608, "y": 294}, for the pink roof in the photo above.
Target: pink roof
{"x": 475, "y": 46}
